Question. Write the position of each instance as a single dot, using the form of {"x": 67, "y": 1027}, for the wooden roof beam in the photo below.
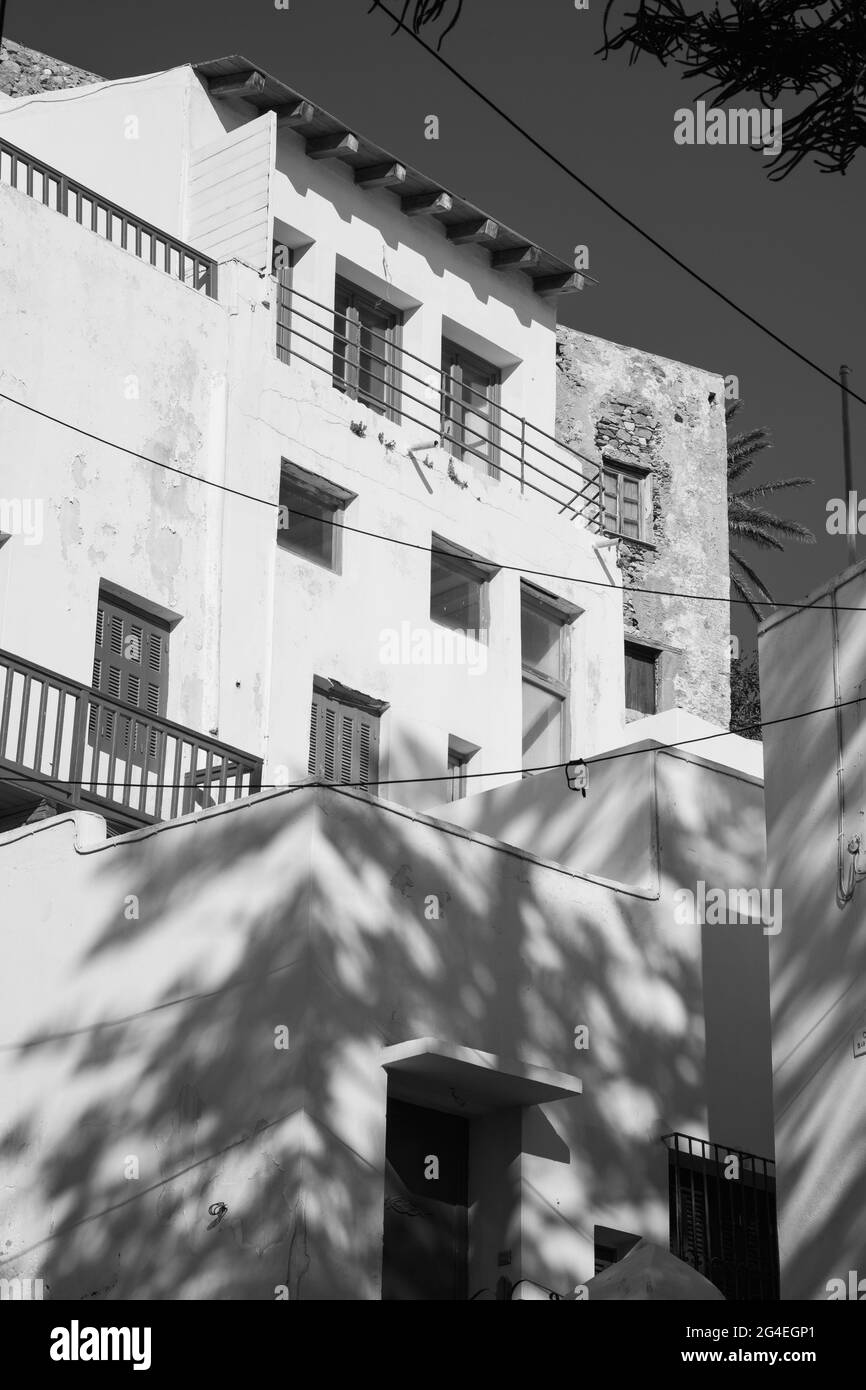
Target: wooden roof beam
{"x": 481, "y": 229}
{"x": 389, "y": 175}
{"x": 517, "y": 258}
{"x": 249, "y": 84}
{"x": 549, "y": 286}
{"x": 296, "y": 114}
{"x": 427, "y": 204}
{"x": 333, "y": 146}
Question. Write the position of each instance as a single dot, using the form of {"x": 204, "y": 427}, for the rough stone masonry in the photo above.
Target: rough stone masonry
{"x": 667, "y": 421}
{"x": 23, "y": 71}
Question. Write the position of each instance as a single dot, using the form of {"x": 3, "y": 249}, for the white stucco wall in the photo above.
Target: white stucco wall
{"x": 816, "y": 804}
{"x": 83, "y": 327}
{"x": 146, "y": 978}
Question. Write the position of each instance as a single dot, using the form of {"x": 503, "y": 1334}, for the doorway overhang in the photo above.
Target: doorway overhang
{"x": 465, "y": 1081}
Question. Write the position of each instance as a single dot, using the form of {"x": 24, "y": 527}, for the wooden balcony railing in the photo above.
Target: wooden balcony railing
{"x": 82, "y": 749}
{"x": 39, "y": 180}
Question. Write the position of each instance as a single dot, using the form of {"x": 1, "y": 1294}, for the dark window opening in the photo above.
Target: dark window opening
{"x": 309, "y": 516}
{"x": 458, "y": 591}
{"x": 640, "y": 678}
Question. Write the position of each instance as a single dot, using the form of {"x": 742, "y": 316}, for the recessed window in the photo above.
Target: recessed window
{"x": 470, "y": 400}
{"x": 283, "y": 262}
{"x": 344, "y": 734}
{"x": 640, "y": 678}
{"x": 366, "y": 346}
{"x": 458, "y": 589}
{"x": 611, "y": 1246}
{"x": 460, "y": 755}
{"x": 130, "y": 668}
{"x": 624, "y": 500}
{"x": 545, "y": 652}
{"x": 309, "y": 516}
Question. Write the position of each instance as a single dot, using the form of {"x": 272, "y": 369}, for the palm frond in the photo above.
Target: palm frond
{"x": 762, "y": 489}
{"x": 761, "y": 538}
{"x": 741, "y": 511}
{"x": 751, "y": 595}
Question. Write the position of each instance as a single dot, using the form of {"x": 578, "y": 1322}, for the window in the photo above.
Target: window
{"x": 640, "y": 678}
{"x": 309, "y": 508}
{"x": 130, "y": 665}
{"x": 460, "y": 755}
{"x": 344, "y": 734}
{"x": 365, "y": 349}
{"x": 624, "y": 500}
{"x": 544, "y": 639}
{"x": 611, "y": 1246}
{"x": 283, "y": 266}
{"x": 470, "y": 399}
{"x": 458, "y": 589}
{"x": 725, "y": 1230}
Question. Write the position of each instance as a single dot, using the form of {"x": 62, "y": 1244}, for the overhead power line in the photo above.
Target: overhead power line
{"x": 617, "y": 212}
{"x": 417, "y": 545}
{"x": 591, "y": 761}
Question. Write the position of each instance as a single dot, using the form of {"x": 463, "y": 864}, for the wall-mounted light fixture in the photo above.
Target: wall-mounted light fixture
{"x": 577, "y": 776}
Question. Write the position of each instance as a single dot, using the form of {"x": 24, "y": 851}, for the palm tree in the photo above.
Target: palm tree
{"x": 750, "y": 522}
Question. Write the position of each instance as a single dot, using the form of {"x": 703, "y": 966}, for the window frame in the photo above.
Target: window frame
{"x": 348, "y": 384}
{"x": 285, "y": 280}
{"x": 332, "y": 694}
{"x": 454, "y": 357}
{"x": 320, "y": 494}
{"x": 644, "y": 649}
{"x": 101, "y": 729}
{"x": 621, "y": 471}
{"x": 470, "y": 567}
{"x": 459, "y": 758}
{"x": 554, "y": 610}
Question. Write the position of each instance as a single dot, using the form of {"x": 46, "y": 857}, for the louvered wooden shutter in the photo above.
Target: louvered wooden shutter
{"x": 130, "y": 663}
{"x": 344, "y": 742}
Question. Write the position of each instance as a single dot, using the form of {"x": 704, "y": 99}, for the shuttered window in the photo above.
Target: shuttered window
{"x": 470, "y": 398}
{"x": 640, "y": 678}
{"x": 623, "y": 501}
{"x": 130, "y": 664}
{"x": 344, "y": 741}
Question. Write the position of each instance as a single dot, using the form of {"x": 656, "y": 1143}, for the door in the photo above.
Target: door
{"x": 426, "y": 1202}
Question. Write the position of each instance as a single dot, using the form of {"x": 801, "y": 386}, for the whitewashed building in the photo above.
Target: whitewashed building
{"x": 283, "y": 504}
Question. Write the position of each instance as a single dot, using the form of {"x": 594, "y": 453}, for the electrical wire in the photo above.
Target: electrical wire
{"x": 623, "y": 217}
{"x": 311, "y": 783}
{"x": 416, "y": 545}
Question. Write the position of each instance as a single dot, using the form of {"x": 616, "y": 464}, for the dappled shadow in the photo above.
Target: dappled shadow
{"x": 150, "y": 1084}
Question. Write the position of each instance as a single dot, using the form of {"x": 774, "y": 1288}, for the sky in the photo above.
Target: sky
{"x": 790, "y": 252}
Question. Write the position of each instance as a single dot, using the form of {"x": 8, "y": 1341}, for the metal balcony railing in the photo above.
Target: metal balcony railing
{"x": 82, "y": 749}
{"x": 404, "y": 387}
{"x": 39, "y": 180}
{"x": 723, "y": 1216}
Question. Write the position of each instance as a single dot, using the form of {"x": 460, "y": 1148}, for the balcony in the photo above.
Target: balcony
{"x": 81, "y": 750}
{"x": 39, "y": 180}
{"x": 372, "y": 367}
{"x": 723, "y": 1216}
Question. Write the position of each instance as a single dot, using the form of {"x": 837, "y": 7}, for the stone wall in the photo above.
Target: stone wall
{"x": 24, "y": 70}
{"x": 667, "y": 419}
